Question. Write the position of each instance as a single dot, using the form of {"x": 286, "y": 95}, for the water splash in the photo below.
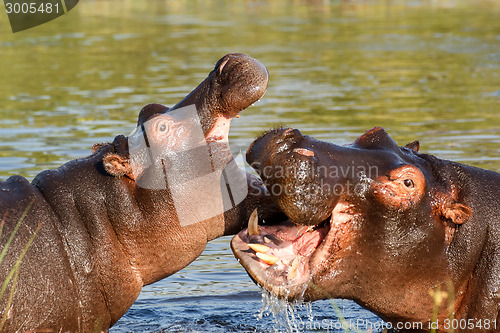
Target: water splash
{"x": 289, "y": 317}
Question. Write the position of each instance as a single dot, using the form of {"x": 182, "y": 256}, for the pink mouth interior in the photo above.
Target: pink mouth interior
{"x": 220, "y": 130}
{"x": 284, "y": 259}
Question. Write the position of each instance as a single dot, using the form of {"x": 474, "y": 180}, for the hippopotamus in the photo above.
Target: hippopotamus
{"x": 409, "y": 236}
{"x": 82, "y": 240}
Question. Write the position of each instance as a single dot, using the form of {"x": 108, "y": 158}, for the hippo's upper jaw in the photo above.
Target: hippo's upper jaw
{"x": 236, "y": 82}
{"x": 373, "y": 222}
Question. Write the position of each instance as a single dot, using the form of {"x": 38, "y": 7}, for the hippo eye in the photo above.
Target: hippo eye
{"x": 163, "y": 128}
{"x": 409, "y": 183}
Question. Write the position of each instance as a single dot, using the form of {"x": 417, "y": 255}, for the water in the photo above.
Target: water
{"x": 427, "y": 70}
{"x": 214, "y": 294}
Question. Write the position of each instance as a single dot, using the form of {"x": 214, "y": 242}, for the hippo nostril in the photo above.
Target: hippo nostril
{"x": 304, "y": 151}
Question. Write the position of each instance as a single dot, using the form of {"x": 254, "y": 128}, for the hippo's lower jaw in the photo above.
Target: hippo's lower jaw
{"x": 220, "y": 130}
{"x": 284, "y": 258}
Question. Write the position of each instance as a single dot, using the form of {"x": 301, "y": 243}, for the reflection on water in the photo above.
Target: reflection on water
{"x": 422, "y": 70}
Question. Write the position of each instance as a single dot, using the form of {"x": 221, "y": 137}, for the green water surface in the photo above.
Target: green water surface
{"x": 427, "y": 70}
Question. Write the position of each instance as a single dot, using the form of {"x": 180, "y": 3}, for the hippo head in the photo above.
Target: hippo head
{"x": 202, "y": 117}
{"x": 368, "y": 221}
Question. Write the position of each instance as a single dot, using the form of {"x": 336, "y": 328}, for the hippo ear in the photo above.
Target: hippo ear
{"x": 415, "y": 146}
{"x": 97, "y": 146}
{"x": 457, "y": 212}
{"x": 377, "y": 137}
{"x": 117, "y": 165}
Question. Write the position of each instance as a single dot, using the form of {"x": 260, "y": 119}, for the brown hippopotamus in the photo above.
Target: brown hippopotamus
{"x": 409, "y": 236}
{"x": 100, "y": 237}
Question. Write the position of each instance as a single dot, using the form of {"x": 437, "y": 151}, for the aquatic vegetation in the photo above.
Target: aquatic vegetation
{"x": 14, "y": 272}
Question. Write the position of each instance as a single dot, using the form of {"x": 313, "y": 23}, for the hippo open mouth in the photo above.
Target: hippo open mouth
{"x": 282, "y": 258}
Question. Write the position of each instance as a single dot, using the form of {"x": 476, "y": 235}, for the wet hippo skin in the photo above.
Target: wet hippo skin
{"x": 102, "y": 237}
{"x": 395, "y": 230}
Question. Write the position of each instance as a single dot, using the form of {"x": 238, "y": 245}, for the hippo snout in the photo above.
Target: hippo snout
{"x": 243, "y": 81}
{"x": 272, "y": 142}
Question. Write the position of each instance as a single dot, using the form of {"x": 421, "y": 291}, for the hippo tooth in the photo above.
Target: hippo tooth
{"x": 292, "y": 272}
{"x": 267, "y": 240}
{"x": 268, "y": 259}
{"x": 312, "y": 228}
{"x": 259, "y": 247}
{"x": 253, "y": 223}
